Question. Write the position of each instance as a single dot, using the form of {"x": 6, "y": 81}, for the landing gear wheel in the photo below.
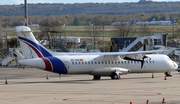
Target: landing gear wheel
{"x": 115, "y": 76}
{"x": 168, "y": 74}
{"x": 96, "y": 77}
{"x": 152, "y": 75}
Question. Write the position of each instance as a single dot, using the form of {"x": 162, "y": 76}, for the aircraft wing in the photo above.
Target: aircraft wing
{"x": 118, "y": 55}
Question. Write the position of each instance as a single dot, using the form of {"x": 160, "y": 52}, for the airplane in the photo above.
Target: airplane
{"x": 125, "y": 23}
{"x": 163, "y": 22}
{"x": 112, "y": 64}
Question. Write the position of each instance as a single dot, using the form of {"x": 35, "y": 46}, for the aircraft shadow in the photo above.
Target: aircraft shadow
{"x": 78, "y": 81}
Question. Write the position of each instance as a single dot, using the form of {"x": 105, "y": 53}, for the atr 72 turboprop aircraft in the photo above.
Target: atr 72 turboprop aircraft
{"x": 112, "y": 64}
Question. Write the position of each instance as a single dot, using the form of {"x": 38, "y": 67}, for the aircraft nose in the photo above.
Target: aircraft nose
{"x": 175, "y": 65}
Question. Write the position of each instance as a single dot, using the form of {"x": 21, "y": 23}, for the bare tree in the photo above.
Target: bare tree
{"x": 145, "y": 30}
{"x": 50, "y": 28}
{"x": 123, "y": 30}
{"x": 94, "y": 29}
{"x": 177, "y": 33}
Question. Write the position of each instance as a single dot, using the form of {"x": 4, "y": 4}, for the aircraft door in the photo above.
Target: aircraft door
{"x": 66, "y": 63}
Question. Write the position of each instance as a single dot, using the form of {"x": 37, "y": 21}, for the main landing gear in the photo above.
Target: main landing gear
{"x": 96, "y": 77}
{"x": 152, "y": 75}
{"x": 115, "y": 76}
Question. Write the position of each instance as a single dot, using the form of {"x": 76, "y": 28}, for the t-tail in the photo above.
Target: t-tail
{"x": 36, "y": 55}
{"x": 30, "y": 47}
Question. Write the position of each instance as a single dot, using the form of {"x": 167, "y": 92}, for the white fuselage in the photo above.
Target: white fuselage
{"x": 86, "y": 64}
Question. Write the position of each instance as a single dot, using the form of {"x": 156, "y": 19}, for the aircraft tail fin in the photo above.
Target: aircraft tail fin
{"x": 154, "y": 19}
{"x": 30, "y": 47}
{"x": 133, "y": 21}
{"x": 174, "y": 20}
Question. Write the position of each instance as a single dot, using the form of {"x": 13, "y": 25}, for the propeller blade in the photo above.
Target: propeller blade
{"x": 145, "y": 57}
{"x": 128, "y": 58}
{"x": 142, "y": 64}
{"x": 131, "y": 59}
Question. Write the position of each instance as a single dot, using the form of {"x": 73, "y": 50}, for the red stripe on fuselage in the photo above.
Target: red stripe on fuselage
{"x": 47, "y": 63}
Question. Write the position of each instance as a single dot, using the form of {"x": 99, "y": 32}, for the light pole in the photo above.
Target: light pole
{"x": 6, "y": 39}
{"x": 48, "y": 29}
{"x": 141, "y": 24}
{"x": 103, "y": 39}
{"x": 173, "y": 21}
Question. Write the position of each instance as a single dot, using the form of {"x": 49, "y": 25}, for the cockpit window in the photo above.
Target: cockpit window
{"x": 168, "y": 58}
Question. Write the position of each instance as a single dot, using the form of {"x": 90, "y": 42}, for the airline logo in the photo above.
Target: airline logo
{"x": 52, "y": 63}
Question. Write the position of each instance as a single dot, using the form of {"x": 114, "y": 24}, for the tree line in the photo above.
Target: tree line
{"x": 90, "y": 8}
{"x": 85, "y": 19}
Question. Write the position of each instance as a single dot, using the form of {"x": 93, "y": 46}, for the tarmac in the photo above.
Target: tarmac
{"x": 30, "y": 85}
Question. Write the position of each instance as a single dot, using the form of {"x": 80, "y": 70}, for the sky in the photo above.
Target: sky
{"x": 16, "y": 2}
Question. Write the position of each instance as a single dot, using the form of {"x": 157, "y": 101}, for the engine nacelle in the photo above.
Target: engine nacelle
{"x": 109, "y": 70}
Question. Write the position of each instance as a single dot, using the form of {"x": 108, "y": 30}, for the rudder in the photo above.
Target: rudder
{"x": 30, "y": 47}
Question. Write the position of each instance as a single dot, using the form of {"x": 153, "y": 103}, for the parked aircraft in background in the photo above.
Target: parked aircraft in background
{"x": 112, "y": 64}
{"x": 127, "y": 23}
{"x": 168, "y": 22}
{"x": 152, "y": 22}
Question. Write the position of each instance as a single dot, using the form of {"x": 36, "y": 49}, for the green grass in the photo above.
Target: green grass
{"x": 81, "y": 32}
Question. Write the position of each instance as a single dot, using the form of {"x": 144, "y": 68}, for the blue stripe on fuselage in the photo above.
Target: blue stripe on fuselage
{"x": 58, "y": 65}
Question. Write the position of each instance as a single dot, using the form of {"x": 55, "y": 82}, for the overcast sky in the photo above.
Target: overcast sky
{"x": 11, "y": 2}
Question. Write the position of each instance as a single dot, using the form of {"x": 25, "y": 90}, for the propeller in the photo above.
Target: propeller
{"x": 144, "y": 49}
{"x": 141, "y": 60}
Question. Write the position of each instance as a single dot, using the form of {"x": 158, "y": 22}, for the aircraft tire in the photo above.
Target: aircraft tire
{"x": 115, "y": 76}
{"x": 96, "y": 77}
